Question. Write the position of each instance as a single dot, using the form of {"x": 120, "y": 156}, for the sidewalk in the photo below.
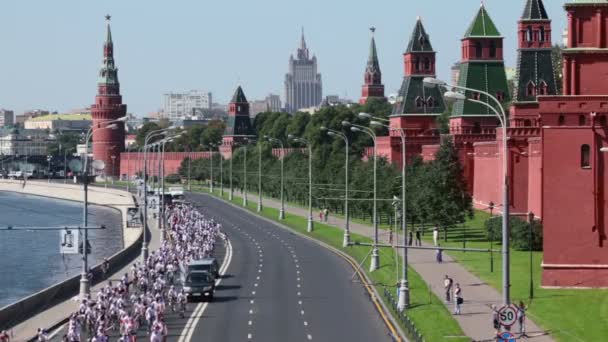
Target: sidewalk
{"x": 28, "y": 329}
{"x": 476, "y": 318}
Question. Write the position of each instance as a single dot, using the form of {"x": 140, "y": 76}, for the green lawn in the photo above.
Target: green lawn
{"x": 427, "y": 311}
{"x": 570, "y": 315}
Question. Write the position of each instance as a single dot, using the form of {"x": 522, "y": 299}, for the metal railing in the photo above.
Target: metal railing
{"x": 410, "y": 328}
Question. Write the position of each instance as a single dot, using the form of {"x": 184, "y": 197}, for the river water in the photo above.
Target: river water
{"x": 30, "y": 260}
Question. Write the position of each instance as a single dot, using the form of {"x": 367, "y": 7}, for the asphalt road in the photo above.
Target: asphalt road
{"x": 277, "y": 287}
{"x": 281, "y": 287}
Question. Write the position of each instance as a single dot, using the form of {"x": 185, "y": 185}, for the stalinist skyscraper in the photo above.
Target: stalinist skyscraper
{"x": 303, "y": 85}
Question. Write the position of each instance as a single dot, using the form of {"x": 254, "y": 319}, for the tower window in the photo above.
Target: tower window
{"x": 419, "y": 102}
{"x": 585, "y": 157}
{"x": 541, "y": 34}
{"x": 476, "y": 96}
{"x": 416, "y": 64}
{"x": 430, "y": 102}
{"x": 476, "y": 128}
{"x": 529, "y": 34}
{"x": 478, "y": 50}
{"x": 500, "y": 96}
{"x": 542, "y": 88}
{"x": 561, "y": 121}
{"x": 427, "y": 64}
{"x": 531, "y": 89}
{"x": 582, "y": 120}
{"x": 492, "y": 49}
{"x": 527, "y": 123}
{"x": 603, "y": 120}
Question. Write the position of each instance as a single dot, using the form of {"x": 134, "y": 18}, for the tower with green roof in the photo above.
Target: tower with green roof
{"x": 482, "y": 67}
{"x": 238, "y": 126}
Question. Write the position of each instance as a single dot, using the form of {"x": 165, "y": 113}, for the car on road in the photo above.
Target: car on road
{"x": 199, "y": 284}
{"x": 206, "y": 264}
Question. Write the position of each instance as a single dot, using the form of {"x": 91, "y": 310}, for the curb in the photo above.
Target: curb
{"x": 384, "y": 312}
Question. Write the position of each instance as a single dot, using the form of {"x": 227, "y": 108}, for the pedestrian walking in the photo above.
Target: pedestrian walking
{"x": 4, "y": 337}
{"x": 439, "y": 255}
{"x": 390, "y": 237}
{"x": 458, "y": 300}
{"x": 410, "y": 240}
{"x": 521, "y": 318}
{"x": 418, "y": 241}
{"x": 447, "y": 285}
{"x": 495, "y": 321}
{"x": 436, "y": 236}
{"x": 321, "y": 215}
{"x": 42, "y": 335}
{"x": 105, "y": 267}
{"x": 326, "y": 214}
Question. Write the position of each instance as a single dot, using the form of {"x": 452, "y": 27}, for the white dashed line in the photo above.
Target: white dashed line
{"x": 251, "y": 312}
{"x": 302, "y": 312}
{"x": 250, "y": 322}
{"x": 305, "y": 323}
{"x": 309, "y": 337}
{"x": 249, "y": 336}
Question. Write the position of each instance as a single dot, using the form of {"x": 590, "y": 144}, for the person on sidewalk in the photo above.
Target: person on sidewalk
{"x": 4, "y": 337}
{"x": 521, "y": 318}
{"x": 321, "y": 215}
{"x": 42, "y": 335}
{"x": 447, "y": 285}
{"x": 457, "y": 299}
{"x": 439, "y": 255}
{"x": 495, "y": 321}
{"x": 436, "y": 236}
{"x": 326, "y": 214}
{"x": 418, "y": 241}
{"x": 411, "y": 238}
{"x": 390, "y": 237}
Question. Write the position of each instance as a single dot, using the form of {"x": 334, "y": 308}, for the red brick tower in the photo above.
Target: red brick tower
{"x": 373, "y": 87}
{"x": 238, "y": 127}
{"x": 108, "y": 106}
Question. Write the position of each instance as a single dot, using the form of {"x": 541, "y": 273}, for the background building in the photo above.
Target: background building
{"x": 7, "y": 118}
{"x": 178, "y": 106}
{"x": 272, "y": 103}
{"x": 303, "y": 85}
{"x": 21, "y": 142}
{"x": 60, "y": 122}
{"x": 21, "y": 118}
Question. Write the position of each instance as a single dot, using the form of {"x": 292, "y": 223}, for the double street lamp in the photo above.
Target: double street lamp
{"x": 84, "y": 280}
{"x": 282, "y": 155}
{"x": 310, "y": 225}
{"x": 404, "y": 291}
{"x": 375, "y": 259}
{"x": 333, "y": 133}
{"x": 502, "y": 118}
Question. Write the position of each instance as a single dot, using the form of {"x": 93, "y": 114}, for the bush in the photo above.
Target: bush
{"x": 174, "y": 178}
{"x": 520, "y": 233}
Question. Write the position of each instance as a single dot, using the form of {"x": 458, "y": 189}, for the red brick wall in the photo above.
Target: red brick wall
{"x": 488, "y": 170}
{"x": 132, "y": 162}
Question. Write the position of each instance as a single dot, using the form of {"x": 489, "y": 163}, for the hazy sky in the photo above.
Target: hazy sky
{"x": 51, "y": 50}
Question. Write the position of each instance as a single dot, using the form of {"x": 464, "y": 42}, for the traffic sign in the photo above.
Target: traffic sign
{"x": 68, "y": 241}
{"x": 507, "y": 315}
{"x": 506, "y": 337}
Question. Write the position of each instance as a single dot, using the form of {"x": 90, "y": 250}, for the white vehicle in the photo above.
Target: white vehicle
{"x": 176, "y": 191}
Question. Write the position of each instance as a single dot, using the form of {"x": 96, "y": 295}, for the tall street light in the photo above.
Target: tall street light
{"x": 211, "y": 146}
{"x": 221, "y": 175}
{"x": 274, "y": 140}
{"x": 84, "y": 280}
{"x": 161, "y": 172}
{"x": 331, "y": 132}
{"x": 260, "y": 207}
{"x": 231, "y": 194}
{"x": 113, "y": 168}
{"x": 502, "y": 117}
{"x": 245, "y": 199}
{"x": 48, "y": 159}
{"x": 310, "y": 226}
{"x": 375, "y": 260}
{"x": 404, "y": 291}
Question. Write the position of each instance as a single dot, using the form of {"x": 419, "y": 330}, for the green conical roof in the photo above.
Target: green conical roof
{"x": 419, "y": 41}
{"x": 372, "y": 61}
{"x": 482, "y": 25}
{"x": 239, "y": 96}
{"x": 534, "y": 10}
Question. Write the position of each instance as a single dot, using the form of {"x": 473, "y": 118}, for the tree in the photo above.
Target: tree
{"x": 520, "y": 233}
{"x": 64, "y": 142}
{"x": 447, "y": 198}
{"x": 142, "y": 132}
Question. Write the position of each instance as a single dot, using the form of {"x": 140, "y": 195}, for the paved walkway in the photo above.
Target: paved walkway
{"x": 26, "y": 330}
{"x": 476, "y": 318}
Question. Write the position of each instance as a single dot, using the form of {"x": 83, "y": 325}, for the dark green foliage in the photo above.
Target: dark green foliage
{"x": 519, "y": 235}
{"x": 174, "y": 178}
{"x": 65, "y": 142}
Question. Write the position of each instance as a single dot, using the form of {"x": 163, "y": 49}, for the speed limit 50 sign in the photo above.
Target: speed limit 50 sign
{"x": 507, "y": 315}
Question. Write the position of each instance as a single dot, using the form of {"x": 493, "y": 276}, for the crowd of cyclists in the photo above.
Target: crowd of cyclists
{"x": 141, "y": 299}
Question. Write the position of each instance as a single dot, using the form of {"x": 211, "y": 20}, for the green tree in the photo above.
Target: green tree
{"x": 142, "y": 132}
{"x": 65, "y": 142}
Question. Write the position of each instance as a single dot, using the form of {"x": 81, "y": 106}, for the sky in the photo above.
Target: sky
{"x": 51, "y": 51}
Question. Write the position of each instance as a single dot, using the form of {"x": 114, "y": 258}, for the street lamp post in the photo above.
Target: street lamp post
{"x": 310, "y": 226}
{"x": 282, "y": 210}
{"x": 346, "y": 239}
{"x": 491, "y": 207}
{"x": 260, "y": 208}
{"x": 211, "y": 166}
{"x": 230, "y": 195}
{"x": 113, "y": 168}
{"x": 84, "y": 280}
{"x": 189, "y": 166}
{"x": 502, "y": 117}
{"x": 530, "y": 222}
{"x": 375, "y": 259}
{"x": 404, "y": 291}
{"x": 65, "y": 166}
{"x": 221, "y": 175}
{"x": 48, "y": 159}
{"x": 245, "y": 176}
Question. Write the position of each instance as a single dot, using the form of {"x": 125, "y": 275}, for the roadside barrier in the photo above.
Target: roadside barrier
{"x": 405, "y": 321}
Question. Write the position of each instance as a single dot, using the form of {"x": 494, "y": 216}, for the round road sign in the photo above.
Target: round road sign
{"x": 506, "y": 337}
{"x": 507, "y": 315}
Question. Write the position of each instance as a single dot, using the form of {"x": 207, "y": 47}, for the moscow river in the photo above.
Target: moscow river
{"x": 30, "y": 260}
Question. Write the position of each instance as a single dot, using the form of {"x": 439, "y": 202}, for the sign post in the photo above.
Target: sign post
{"x": 506, "y": 337}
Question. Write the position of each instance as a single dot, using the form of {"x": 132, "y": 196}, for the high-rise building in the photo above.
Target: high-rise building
{"x": 108, "y": 143}
{"x": 303, "y": 85}
{"x": 373, "y": 87}
{"x": 7, "y": 118}
{"x": 274, "y": 102}
{"x": 177, "y": 106}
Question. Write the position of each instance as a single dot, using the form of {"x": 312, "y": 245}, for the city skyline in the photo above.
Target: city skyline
{"x": 149, "y": 52}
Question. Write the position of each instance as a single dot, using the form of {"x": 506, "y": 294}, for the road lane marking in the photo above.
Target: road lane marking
{"x": 249, "y": 336}
{"x": 309, "y": 337}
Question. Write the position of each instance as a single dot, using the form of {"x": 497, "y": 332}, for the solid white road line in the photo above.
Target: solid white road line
{"x": 186, "y": 334}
